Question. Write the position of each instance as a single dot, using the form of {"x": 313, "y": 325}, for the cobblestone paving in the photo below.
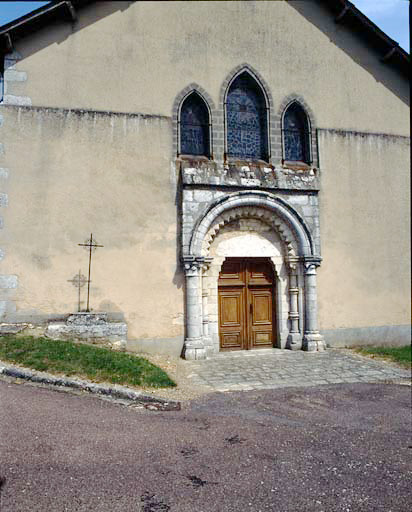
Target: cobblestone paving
{"x": 270, "y": 369}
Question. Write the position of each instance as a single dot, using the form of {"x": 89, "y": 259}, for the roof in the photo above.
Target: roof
{"x": 389, "y": 51}
{"x": 343, "y": 11}
{"x": 37, "y": 19}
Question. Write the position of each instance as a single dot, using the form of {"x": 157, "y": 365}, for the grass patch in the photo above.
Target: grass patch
{"x": 96, "y": 363}
{"x": 400, "y": 355}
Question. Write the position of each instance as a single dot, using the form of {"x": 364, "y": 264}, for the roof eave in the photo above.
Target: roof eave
{"x": 37, "y": 19}
{"x": 389, "y": 51}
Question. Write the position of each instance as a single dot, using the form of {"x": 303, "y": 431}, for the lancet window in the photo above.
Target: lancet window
{"x": 296, "y": 134}
{"x": 194, "y": 127}
{"x": 246, "y": 120}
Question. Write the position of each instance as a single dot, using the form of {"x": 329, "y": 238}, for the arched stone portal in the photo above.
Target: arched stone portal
{"x": 252, "y": 224}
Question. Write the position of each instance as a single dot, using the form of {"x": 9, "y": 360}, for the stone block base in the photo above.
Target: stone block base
{"x": 294, "y": 341}
{"x": 91, "y": 327}
{"x": 313, "y": 342}
{"x": 194, "y": 349}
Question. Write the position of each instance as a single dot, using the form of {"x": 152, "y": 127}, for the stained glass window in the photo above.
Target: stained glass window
{"x": 246, "y": 120}
{"x": 194, "y": 127}
{"x": 296, "y": 134}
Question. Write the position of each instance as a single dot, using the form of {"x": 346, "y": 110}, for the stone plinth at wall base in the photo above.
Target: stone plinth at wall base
{"x": 194, "y": 349}
{"x": 171, "y": 347}
{"x": 382, "y": 335}
{"x": 91, "y": 327}
{"x": 313, "y": 342}
{"x": 12, "y": 328}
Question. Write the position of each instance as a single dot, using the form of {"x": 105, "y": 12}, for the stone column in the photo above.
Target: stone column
{"x": 205, "y": 316}
{"x": 294, "y": 341}
{"x": 194, "y": 347}
{"x": 207, "y": 340}
{"x": 312, "y": 339}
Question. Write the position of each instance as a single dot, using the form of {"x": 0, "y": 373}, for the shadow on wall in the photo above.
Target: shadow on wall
{"x": 351, "y": 43}
{"x": 179, "y": 278}
{"x": 61, "y": 29}
{"x": 319, "y": 16}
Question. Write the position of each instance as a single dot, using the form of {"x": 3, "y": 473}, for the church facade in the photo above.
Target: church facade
{"x": 244, "y": 164}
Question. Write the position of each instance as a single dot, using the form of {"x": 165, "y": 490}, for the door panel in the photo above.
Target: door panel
{"x": 231, "y": 308}
{"x": 259, "y": 272}
{"x": 246, "y": 315}
{"x": 232, "y": 273}
{"x": 231, "y": 318}
{"x": 261, "y": 326}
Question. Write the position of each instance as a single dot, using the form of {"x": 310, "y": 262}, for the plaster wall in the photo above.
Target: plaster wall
{"x": 71, "y": 174}
{"x": 67, "y": 173}
{"x": 364, "y": 279}
{"x": 136, "y": 57}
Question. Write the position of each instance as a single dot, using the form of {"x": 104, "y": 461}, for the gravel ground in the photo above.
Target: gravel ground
{"x": 333, "y": 448}
{"x": 178, "y": 370}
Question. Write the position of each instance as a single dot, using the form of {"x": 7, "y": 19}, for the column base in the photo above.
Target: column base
{"x": 313, "y": 341}
{"x": 294, "y": 341}
{"x": 194, "y": 349}
{"x": 208, "y": 343}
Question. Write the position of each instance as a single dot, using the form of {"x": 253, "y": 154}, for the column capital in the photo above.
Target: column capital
{"x": 292, "y": 262}
{"x": 310, "y": 263}
{"x": 192, "y": 264}
{"x": 206, "y": 263}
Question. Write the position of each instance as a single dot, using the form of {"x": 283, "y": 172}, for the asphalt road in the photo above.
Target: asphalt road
{"x": 332, "y": 448}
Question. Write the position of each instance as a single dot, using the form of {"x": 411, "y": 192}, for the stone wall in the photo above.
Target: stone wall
{"x": 93, "y": 147}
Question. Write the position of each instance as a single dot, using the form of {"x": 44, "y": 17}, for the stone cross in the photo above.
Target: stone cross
{"x": 92, "y": 246}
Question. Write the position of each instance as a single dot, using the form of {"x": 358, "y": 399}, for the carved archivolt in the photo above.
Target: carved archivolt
{"x": 251, "y": 212}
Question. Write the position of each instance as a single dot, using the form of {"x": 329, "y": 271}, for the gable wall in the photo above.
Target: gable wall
{"x": 71, "y": 173}
{"x": 107, "y": 63}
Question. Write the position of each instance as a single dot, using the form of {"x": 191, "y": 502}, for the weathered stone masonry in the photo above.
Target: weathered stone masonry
{"x": 219, "y": 192}
{"x": 8, "y": 283}
{"x": 213, "y": 199}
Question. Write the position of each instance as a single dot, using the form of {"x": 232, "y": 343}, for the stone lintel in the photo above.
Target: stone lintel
{"x": 247, "y": 175}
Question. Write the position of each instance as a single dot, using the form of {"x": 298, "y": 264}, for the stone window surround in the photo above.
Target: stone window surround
{"x": 177, "y": 105}
{"x": 176, "y": 133}
{"x": 218, "y": 122}
{"x": 313, "y": 149}
{"x": 268, "y": 102}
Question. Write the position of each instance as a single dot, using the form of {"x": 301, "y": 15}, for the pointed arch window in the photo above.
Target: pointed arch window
{"x": 194, "y": 126}
{"x": 246, "y": 120}
{"x": 296, "y": 134}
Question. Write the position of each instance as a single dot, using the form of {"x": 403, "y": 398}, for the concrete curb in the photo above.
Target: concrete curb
{"x": 115, "y": 391}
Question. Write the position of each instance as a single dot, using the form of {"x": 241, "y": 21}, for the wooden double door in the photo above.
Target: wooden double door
{"x": 246, "y": 292}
